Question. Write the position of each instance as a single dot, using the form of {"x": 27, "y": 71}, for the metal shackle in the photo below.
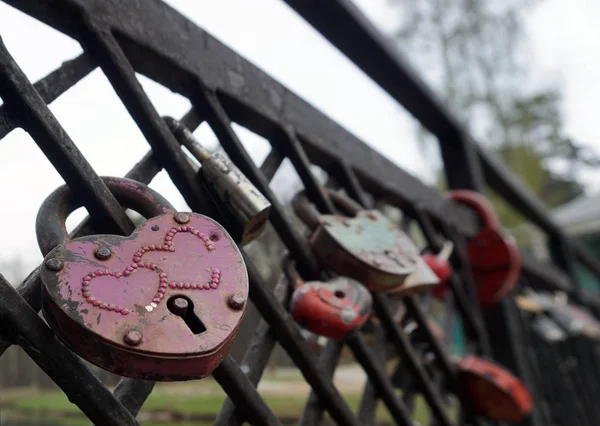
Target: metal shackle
{"x": 309, "y": 214}
{"x": 50, "y": 225}
{"x": 245, "y": 208}
{"x": 478, "y": 203}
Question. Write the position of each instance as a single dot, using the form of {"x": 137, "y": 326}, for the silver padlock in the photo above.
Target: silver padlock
{"x": 235, "y": 196}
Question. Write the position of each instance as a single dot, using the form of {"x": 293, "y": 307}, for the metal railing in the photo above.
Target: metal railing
{"x": 148, "y": 37}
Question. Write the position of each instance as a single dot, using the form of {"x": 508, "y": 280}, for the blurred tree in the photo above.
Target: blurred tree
{"x": 473, "y": 53}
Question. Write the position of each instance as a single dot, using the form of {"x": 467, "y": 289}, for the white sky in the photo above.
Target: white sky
{"x": 563, "y": 36}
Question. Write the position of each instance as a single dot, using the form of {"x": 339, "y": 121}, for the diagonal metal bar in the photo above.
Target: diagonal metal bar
{"x": 351, "y": 183}
{"x": 290, "y": 145}
{"x": 271, "y": 164}
{"x": 368, "y": 402}
{"x": 405, "y": 350}
{"x": 26, "y": 105}
{"x": 288, "y": 335}
{"x": 53, "y": 85}
{"x": 376, "y": 373}
{"x": 99, "y": 40}
{"x": 313, "y": 411}
{"x": 256, "y": 358}
{"x": 25, "y": 328}
{"x": 208, "y": 104}
{"x": 243, "y": 393}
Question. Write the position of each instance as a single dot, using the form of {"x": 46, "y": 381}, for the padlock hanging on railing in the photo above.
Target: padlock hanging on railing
{"x": 556, "y": 318}
{"x": 332, "y": 309}
{"x": 237, "y": 199}
{"x": 163, "y": 303}
{"x": 493, "y": 391}
{"x": 493, "y": 256}
{"x": 365, "y": 246}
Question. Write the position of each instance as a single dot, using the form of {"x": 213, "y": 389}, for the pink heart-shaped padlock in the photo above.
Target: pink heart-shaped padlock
{"x": 163, "y": 303}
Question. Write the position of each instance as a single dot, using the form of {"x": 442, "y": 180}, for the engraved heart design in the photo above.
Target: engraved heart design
{"x": 138, "y": 264}
{"x": 110, "y": 286}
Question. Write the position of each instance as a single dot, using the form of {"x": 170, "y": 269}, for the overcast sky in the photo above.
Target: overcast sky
{"x": 563, "y": 36}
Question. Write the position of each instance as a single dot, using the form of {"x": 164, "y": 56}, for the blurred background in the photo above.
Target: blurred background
{"x": 522, "y": 75}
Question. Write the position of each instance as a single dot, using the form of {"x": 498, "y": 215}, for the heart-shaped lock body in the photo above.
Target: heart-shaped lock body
{"x": 113, "y": 299}
{"x": 367, "y": 247}
{"x": 494, "y": 257}
{"x": 332, "y": 309}
{"x": 494, "y": 392}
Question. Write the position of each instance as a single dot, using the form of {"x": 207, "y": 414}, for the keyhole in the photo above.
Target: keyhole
{"x": 184, "y": 308}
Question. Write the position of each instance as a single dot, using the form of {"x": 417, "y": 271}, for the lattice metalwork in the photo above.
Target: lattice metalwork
{"x": 148, "y": 37}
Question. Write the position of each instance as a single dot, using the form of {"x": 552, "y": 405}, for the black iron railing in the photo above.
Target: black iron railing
{"x": 150, "y": 38}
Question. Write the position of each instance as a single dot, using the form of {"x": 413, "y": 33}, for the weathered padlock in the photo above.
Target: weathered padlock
{"x": 234, "y": 195}
{"x": 440, "y": 266}
{"x": 494, "y": 257}
{"x": 494, "y": 392}
{"x": 332, "y": 309}
{"x": 163, "y": 303}
{"x": 366, "y": 247}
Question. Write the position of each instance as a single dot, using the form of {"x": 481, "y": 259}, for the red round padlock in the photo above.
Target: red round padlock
{"x": 441, "y": 268}
{"x": 494, "y": 257}
{"x": 332, "y": 309}
{"x": 494, "y": 393}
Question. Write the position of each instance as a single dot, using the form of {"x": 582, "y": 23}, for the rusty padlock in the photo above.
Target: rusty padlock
{"x": 494, "y": 256}
{"x": 163, "y": 303}
{"x": 331, "y": 309}
{"x": 440, "y": 265}
{"x": 365, "y": 246}
{"x": 494, "y": 392}
{"x": 236, "y": 198}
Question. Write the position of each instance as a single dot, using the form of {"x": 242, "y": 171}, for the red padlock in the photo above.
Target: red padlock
{"x": 332, "y": 309}
{"x": 494, "y": 257}
{"x": 440, "y": 266}
{"x": 494, "y": 392}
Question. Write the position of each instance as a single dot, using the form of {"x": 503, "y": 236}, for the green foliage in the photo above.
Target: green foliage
{"x": 473, "y": 53}
{"x": 196, "y": 402}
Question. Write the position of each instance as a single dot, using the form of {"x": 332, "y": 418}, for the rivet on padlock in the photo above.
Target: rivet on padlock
{"x": 153, "y": 305}
{"x": 493, "y": 256}
{"x": 234, "y": 195}
{"x": 366, "y": 247}
{"x": 494, "y": 392}
{"x": 332, "y": 309}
